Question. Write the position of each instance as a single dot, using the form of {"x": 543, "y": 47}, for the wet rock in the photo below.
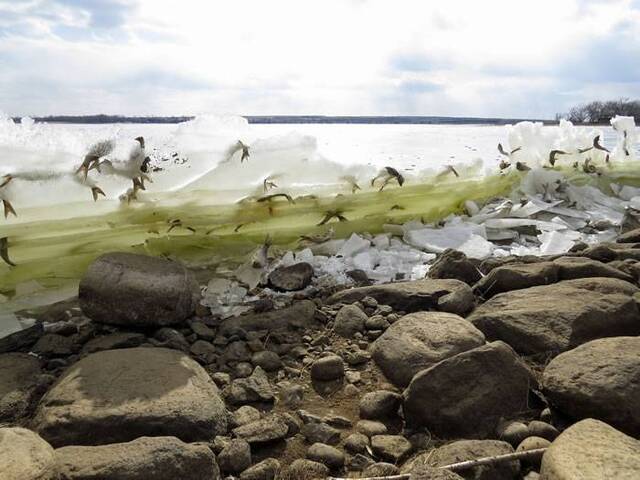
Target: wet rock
{"x": 25, "y": 456}
{"x": 300, "y": 315}
{"x": 454, "y": 264}
{"x": 379, "y": 404}
{"x": 327, "y": 368}
{"x": 162, "y": 457}
{"x": 359, "y": 277}
{"x": 446, "y": 295}
{"x": 327, "y": 455}
{"x": 130, "y": 289}
{"x": 302, "y": 469}
{"x": 516, "y": 277}
{"x": 600, "y": 379}
{"x": 470, "y": 450}
{"x": 291, "y": 278}
{"x": 267, "y": 429}
{"x": 114, "y": 341}
{"x": 235, "y": 457}
{"x": 588, "y": 449}
{"x": 267, "y": 360}
{"x": 18, "y": 385}
{"x": 371, "y": 428}
{"x": 267, "y": 469}
{"x": 390, "y": 447}
{"x": 496, "y": 385}
{"x": 349, "y": 320}
{"x": 357, "y": 462}
{"x": 255, "y": 388}
{"x": 320, "y": 433}
{"x": 53, "y": 345}
{"x": 558, "y": 317}
{"x": 420, "y": 340}
{"x": 119, "y": 395}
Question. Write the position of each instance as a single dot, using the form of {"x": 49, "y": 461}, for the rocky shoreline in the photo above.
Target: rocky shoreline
{"x": 134, "y": 379}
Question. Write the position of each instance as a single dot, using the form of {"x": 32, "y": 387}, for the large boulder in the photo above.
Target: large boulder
{"x": 420, "y": 340}
{"x": 515, "y": 277}
{"x": 600, "y": 379}
{"x": 447, "y": 295}
{"x": 350, "y": 320}
{"x": 560, "y": 316}
{"x": 130, "y": 289}
{"x": 18, "y": 384}
{"x": 580, "y": 267}
{"x": 25, "y": 456}
{"x": 463, "y": 450}
{"x": 467, "y": 394}
{"x": 591, "y": 450}
{"x": 118, "y": 395}
{"x": 160, "y": 458}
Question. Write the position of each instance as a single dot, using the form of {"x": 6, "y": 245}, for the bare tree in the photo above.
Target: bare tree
{"x": 601, "y": 112}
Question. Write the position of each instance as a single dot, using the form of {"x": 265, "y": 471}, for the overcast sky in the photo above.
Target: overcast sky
{"x": 513, "y": 58}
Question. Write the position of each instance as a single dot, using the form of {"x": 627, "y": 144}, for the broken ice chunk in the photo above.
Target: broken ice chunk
{"x": 554, "y": 243}
{"x": 437, "y": 240}
{"x": 355, "y": 244}
{"x": 500, "y": 223}
{"x": 476, "y": 247}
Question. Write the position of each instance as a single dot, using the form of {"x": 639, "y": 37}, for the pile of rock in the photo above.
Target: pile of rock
{"x": 490, "y": 358}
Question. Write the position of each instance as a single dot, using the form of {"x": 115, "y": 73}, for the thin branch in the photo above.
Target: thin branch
{"x": 456, "y": 467}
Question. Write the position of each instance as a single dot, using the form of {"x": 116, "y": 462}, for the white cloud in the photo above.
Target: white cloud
{"x": 491, "y": 58}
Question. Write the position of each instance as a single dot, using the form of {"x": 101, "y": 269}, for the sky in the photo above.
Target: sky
{"x": 490, "y": 58}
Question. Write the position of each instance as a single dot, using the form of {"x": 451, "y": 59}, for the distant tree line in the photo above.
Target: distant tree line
{"x": 107, "y": 119}
{"x": 601, "y": 112}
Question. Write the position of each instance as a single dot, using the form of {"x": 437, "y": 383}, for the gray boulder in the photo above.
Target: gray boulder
{"x": 18, "y": 385}
{"x": 420, "y": 340}
{"x": 379, "y": 404}
{"x": 130, "y": 289}
{"x": 160, "y": 458}
{"x": 267, "y": 469}
{"x": 118, "y": 395}
{"x": 463, "y": 450}
{"x": 235, "y": 457}
{"x": 255, "y": 388}
{"x": 591, "y": 450}
{"x": 516, "y": 277}
{"x": 330, "y": 367}
{"x": 467, "y": 394}
{"x": 25, "y": 456}
{"x": 392, "y": 448}
{"x": 327, "y": 455}
{"x": 349, "y": 321}
{"x": 302, "y": 469}
{"x": 267, "y": 429}
{"x": 600, "y": 379}
{"x": 561, "y": 316}
{"x": 447, "y": 295}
